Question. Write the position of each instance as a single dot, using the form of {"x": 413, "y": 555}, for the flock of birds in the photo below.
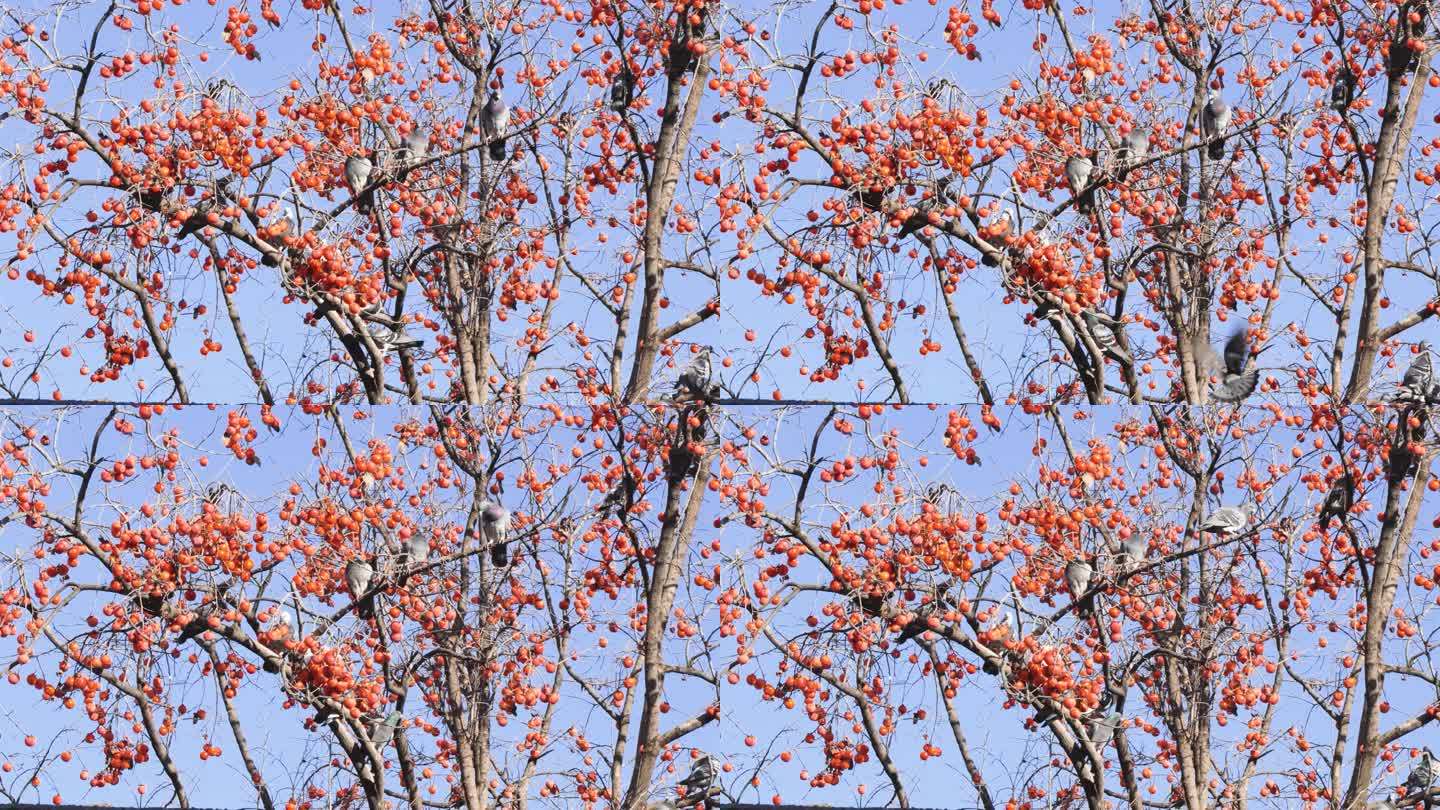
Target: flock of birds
{"x": 360, "y": 571}
{"x": 1135, "y": 146}
{"x": 360, "y": 169}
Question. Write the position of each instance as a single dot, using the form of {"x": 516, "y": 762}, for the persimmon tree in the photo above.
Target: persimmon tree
{"x": 178, "y": 202}
{"x": 915, "y": 164}
{"x": 180, "y": 602}
{"x": 904, "y": 580}
{"x": 180, "y": 211}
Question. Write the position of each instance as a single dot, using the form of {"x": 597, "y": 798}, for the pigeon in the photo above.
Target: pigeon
{"x": 396, "y": 339}
{"x": 1383, "y": 804}
{"x": 1101, "y": 729}
{"x": 694, "y": 381}
{"x": 1104, "y": 334}
{"x": 494, "y": 121}
{"x": 1228, "y": 520}
{"x": 383, "y": 731}
{"x": 1077, "y": 173}
{"x": 1338, "y": 500}
{"x": 1214, "y": 120}
{"x": 1418, "y": 782}
{"x": 417, "y": 550}
{"x": 416, "y": 146}
{"x": 1077, "y": 581}
{"x": 622, "y": 89}
{"x": 1235, "y": 382}
{"x": 357, "y": 176}
{"x": 358, "y": 573}
{"x": 292, "y": 215}
{"x": 1132, "y": 550}
{"x": 1134, "y": 147}
{"x": 495, "y": 526}
{"x": 1417, "y": 382}
{"x": 701, "y": 778}
{"x": 1342, "y": 92}
{"x": 664, "y": 804}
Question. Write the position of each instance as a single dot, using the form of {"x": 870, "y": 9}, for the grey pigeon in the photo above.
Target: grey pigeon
{"x": 1338, "y": 500}
{"x": 701, "y": 778}
{"x": 1134, "y": 147}
{"x": 622, "y": 89}
{"x": 1103, "y": 331}
{"x": 358, "y": 574}
{"x": 694, "y": 381}
{"x": 417, "y": 145}
{"x": 1228, "y": 520}
{"x": 417, "y": 549}
{"x": 1236, "y": 383}
{"x": 1214, "y": 121}
{"x": 1132, "y": 550}
{"x": 1078, "y": 169}
{"x": 1101, "y": 729}
{"x": 383, "y": 731}
{"x": 494, "y": 121}
{"x": 1342, "y": 92}
{"x": 1077, "y": 580}
{"x": 1421, "y": 776}
{"x": 358, "y": 169}
{"x": 292, "y": 215}
{"x": 495, "y": 526}
{"x": 1416, "y": 384}
{"x": 388, "y": 339}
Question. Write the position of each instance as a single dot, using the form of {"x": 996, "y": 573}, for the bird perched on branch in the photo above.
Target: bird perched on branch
{"x": 389, "y": 339}
{"x": 415, "y": 147}
{"x": 1228, "y": 520}
{"x": 1338, "y": 500}
{"x": 622, "y": 89}
{"x": 1134, "y": 147}
{"x": 1214, "y": 121}
{"x": 358, "y": 169}
{"x": 1078, "y": 169}
{"x": 417, "y": 549}
{"x": 358, "y": 574}
{"x": 694, "y": 380}
{"x": 495, "y": 526}
{"x": 1342, "y": 92}
{"x": 1105, "y": 332}
{"x": 382, "y": 731}
{"x": 1419, "y": 378}
{"x": 1133, "y": 550}
{"x": 494, "y": 123}
{"x": 1077, "y": 581}
{"x": 700, "y": 780}
{"x": 1421, "y": 776}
